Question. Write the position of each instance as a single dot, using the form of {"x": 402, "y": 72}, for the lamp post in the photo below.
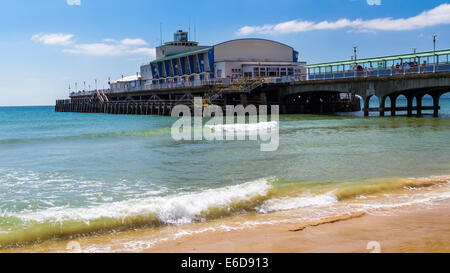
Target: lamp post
{"x": 434, "y": 47}
{"x": 355, "y": 48}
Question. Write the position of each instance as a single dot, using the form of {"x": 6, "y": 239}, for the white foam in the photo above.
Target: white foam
{"x": 252, "y": 127}
{"x": 175, "y": 209}
{"x": 290, "y": 203}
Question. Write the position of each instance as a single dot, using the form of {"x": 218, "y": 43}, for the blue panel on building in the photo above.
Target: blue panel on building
{"x": 295, "y": 59}
{"x": 191, "y": 64}
{"x": 183, "y": 66}
{"x": 211, "y": 60}
{"x": 160, "y": 70}
{"x": 201, "y": 62}
{"x": 153, "y": 69}
{"x": 174, "y": 67}
{"x": 167, "y": 68}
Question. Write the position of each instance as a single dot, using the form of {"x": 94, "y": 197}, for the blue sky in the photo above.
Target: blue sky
{"x": 48, "y": 44}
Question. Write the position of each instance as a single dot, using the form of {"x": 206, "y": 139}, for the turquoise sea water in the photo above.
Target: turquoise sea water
{"x": 68, "y": 173}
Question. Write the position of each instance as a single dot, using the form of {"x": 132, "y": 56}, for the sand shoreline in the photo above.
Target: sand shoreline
{"x": 409, "y": 231}
{"x": 423, "y": 227}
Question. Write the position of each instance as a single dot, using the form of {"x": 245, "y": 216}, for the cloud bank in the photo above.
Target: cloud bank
{"x": 53, "y": 38}
{"x": 74, "y": 2}
{"x": 108, "y": 47}
{"x": 373, "y": 2}
{"x": 437, "y": 16}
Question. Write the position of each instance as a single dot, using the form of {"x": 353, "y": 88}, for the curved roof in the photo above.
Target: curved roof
{"x": 129, "y": 78}
{"x": 252, "y": 39}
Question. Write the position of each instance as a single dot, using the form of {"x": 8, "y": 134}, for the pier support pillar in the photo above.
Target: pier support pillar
{"x": 410, "y": 99}
{"x": 366, "y": 106}
{"x": 263, "y": 97}
{"x": 393, "y": 104}
{"x": 419, "y": 105}
{"x": 436, "y": 97}
{"x": 244, "y": 100}
{"x": 382, "y": 106}
{"x": 225, "y": 99}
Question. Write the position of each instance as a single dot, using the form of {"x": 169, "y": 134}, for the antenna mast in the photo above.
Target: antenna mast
{"x": 160, "y": 33}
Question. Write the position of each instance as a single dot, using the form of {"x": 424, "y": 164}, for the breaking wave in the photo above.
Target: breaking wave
{"x": 260, "y": 196}
{"x": 176, "y": 209}
{"x": 251, "y": 127}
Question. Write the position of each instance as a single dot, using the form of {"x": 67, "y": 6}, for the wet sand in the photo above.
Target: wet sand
{"x": 412, "y": 230}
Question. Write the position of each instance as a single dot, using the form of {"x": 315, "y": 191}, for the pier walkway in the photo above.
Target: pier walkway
{"x": 317, "y": 91}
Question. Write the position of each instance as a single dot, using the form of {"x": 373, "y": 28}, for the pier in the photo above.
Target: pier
{"x": 326, "y": 88}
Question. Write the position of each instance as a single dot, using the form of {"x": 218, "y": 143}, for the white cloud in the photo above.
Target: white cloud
{"x": 98, "y": 49}
{"x": 110, "y": 40}
{"x": 74, "y": 2}
{"x": 108, "y": 47}
{"x": 374, "y": 2}
{"x": 53, "y": 38}
{"x": 437, "y": 16}
{"x": 146, "y": 51}
{"x": 134, "y": 42}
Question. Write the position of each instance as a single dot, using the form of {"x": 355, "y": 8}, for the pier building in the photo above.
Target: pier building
{"x": 186, "y": 61}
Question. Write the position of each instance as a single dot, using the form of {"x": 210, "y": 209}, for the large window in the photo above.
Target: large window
{"x": 272, "y": 71}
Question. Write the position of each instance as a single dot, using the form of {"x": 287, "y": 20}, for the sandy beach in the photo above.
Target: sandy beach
{"x": 411, "y": 231}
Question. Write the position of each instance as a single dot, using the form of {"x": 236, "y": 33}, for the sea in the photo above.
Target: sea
{"x": 73, "y": 175}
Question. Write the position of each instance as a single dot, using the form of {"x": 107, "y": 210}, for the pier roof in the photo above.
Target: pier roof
{"x": 182, "y": 54}
{"x": 386, "y": 58}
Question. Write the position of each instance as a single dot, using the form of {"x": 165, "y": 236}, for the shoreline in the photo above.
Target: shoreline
{"x": 409, "y": 231}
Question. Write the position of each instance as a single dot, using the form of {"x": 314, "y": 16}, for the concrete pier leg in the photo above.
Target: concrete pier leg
{"x": 263, "y": 97}
{"x": 436, "y": 105}
{"x": 225, "y": 100}
{"x": 366, "y": 106}
{"x": 410, "y": 98}
{"x": 383, "y": 106}
{"x": 244, "y": 100}
{"x": 419, "y": 105}
{"x": 393, "y": 105}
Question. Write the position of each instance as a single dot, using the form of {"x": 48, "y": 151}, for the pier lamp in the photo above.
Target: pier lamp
{"x": 434, "y": 42}
{"x": 415, "y": 50}
{"x": 355, "y": 48}
{"x": 434, "y": 46}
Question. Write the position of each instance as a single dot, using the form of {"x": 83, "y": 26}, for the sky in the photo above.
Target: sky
{"x": 47, "y": 45}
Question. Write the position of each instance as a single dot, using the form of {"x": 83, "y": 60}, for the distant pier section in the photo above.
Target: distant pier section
{"x": 264, "y": 72}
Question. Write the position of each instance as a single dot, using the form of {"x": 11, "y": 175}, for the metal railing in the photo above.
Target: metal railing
{"x": 193, "y": 84}
{"x": 257, "y": 81}
{"x": 381, "y": 72}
